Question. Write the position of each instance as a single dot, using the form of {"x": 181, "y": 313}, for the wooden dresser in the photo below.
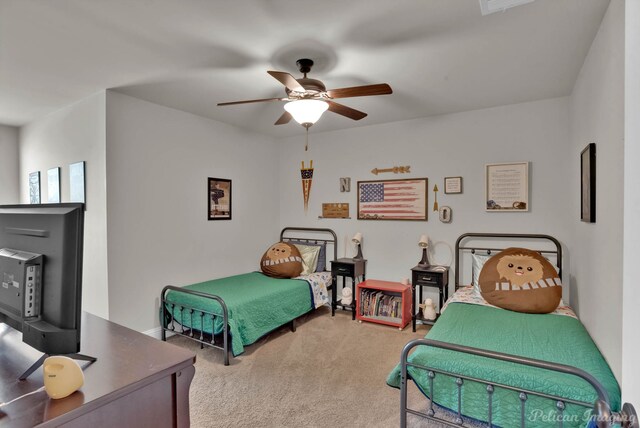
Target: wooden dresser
{"x": 136, "y": 381}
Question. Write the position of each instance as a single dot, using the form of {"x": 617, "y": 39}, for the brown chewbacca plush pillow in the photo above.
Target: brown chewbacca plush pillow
{"x": 521, "y": 280}
{"x": 282, "y": 260}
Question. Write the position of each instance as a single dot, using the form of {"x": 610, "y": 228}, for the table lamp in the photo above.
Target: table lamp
{"x": 424, "y": 244}
{"x": 357, "y": 239}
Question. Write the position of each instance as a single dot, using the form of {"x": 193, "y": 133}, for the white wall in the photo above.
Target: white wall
{"x": 158, "y": 162}
{"x": 597, "y": 116}
{"x": 435, "y": 147}
{"x": 72, "y": 134}
{"x": 631, "y": 291}
{"x": 9, "y": 165}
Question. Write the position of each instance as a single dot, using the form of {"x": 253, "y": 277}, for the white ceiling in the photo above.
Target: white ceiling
{"x": 439, "y": 56}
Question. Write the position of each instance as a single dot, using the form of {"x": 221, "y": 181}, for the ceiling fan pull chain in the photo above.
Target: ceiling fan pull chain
{"x": 306, "y": 140}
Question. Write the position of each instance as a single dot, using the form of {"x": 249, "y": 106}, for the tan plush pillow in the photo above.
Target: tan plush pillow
{"x": 521, "y": 280}
{"x": 309, "y": 255}
{"x": 281, "y": 260}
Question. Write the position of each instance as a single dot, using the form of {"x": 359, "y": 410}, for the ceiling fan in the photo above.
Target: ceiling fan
{"x": 308, "y": 98}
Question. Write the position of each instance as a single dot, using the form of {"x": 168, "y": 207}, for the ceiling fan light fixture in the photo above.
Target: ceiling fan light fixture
{"x": 306, "y": 112}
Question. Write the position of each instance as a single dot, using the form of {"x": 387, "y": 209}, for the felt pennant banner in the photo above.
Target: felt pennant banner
{"x": 307, "y": 177}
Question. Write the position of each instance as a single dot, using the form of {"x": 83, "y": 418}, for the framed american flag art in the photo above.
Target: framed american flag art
{"x": 393, "y": 199}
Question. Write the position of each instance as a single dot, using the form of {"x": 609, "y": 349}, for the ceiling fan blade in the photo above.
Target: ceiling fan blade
{"x": 285, "y": 118}
{"x": 360, "y": 91}
{"x": 251, "y": 101}
{"x": 346, "y": 111}
{"x": 287, "y": 80}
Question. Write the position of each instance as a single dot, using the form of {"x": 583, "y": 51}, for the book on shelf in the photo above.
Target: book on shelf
{"x": 375, "y": 303}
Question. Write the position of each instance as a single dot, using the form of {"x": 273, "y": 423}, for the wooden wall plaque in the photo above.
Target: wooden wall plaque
{"x": 335, "y": 210}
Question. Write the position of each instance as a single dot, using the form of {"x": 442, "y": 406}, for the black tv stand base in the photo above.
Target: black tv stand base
{"x": 38, "y": 363}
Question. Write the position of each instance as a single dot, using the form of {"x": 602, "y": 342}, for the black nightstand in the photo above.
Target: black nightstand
{"x": 428, "y": 276}
{"x": 346, "y": 268}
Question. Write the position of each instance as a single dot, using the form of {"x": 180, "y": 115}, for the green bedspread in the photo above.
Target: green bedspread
{"x": 555, "y": 338}
{"x": 257, "y": 304}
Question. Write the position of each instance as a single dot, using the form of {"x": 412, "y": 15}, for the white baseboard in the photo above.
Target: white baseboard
{"x": 156, "y": 333}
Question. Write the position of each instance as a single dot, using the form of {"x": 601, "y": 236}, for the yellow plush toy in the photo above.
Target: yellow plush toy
{"x": 62, "y": 376}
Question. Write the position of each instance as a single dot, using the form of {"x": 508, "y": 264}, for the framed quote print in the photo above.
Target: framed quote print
{"x": 507, "y": 187}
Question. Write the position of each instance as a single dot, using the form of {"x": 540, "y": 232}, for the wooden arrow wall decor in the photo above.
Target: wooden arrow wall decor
{"x": 395, "y": 170}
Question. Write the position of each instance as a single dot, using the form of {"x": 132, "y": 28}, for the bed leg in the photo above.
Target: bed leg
{"x": 293, "y": 326}
{"x": 604, "y": 417}
{"x": 225, "y": 331}
{"x": 629, "y": 417}
{"x": 403, "y": 384}
{"x": 163, "y": 318}
{"x": 334, "y": 296}
{"x": 226, "y": 348}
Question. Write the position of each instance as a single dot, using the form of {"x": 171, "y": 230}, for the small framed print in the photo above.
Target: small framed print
{"x": 452, "y": 185}
{"x": 34, "y": 187}
{"x": 53, "y": 185}
{"x": 219, "y": 196}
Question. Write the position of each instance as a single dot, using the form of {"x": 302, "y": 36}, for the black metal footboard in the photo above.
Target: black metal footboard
{"x": 195, "y": 316}
{"x": 601, "y": 410}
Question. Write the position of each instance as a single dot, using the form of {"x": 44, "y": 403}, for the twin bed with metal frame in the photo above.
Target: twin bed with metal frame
{"x": 486, "y": 385}
{"x": 223, "y": 313}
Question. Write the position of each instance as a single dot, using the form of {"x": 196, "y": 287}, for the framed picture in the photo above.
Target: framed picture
{"x": 34, "y": 187}
{"x": 219, "y": 196}
{"x": 393, "y": 199}
{"x": 76, "y": 182}
{"x": 507, "y": 187}
{"x": 53, "y": 185}
{"x": 588, "y": 184}
{"x": 452, "y": 185}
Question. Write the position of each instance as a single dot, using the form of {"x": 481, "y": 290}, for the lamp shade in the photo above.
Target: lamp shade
{"x": 306, "y": 111}
{"x": 424, "y": 241}
{"x": 357, "y": 238}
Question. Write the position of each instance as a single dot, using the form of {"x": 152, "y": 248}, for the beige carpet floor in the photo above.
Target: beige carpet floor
{"x": 330, "y": 373}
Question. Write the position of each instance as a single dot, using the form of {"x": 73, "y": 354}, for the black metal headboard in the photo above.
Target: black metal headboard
{"x": 461, "y": 248}
{"x": 312, "y": 236}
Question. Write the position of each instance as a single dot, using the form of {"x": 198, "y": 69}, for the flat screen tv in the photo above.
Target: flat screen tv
{"x": 41, "y": 274}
